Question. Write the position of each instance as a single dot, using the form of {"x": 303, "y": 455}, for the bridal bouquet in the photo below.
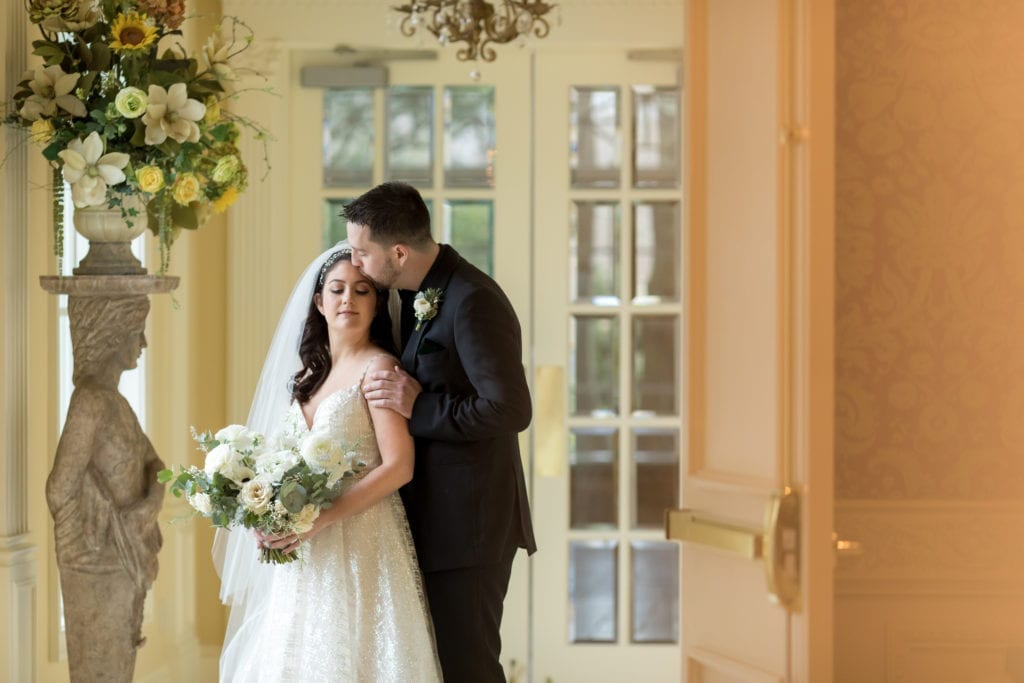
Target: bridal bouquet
{"x": 277, "y": 485}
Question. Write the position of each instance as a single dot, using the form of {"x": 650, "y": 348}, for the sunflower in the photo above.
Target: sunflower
{"x": 221, "y": 203}
{"x": 132, "y": 31}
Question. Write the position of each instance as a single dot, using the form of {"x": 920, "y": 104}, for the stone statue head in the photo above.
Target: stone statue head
{"x": 106, "y": 334}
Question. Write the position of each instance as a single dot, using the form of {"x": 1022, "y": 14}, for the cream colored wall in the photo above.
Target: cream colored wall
{"x": 929, "y": 369}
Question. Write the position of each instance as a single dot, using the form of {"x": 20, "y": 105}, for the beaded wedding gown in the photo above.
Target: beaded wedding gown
{"x": 352, "y": 608}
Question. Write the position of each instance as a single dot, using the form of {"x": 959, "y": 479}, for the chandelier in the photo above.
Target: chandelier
{"x": 476, "y": 23}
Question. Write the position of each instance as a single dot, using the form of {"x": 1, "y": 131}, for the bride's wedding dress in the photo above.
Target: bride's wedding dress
{"x": 352, "y": 608}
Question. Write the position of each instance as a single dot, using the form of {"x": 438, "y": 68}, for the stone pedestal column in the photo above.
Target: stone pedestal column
{"x": 102, "y": 491}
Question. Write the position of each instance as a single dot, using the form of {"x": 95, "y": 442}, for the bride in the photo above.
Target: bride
{"x": 351, "y": 607}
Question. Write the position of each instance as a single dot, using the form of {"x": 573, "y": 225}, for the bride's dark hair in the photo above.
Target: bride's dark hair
{"x": 315, "y": 350}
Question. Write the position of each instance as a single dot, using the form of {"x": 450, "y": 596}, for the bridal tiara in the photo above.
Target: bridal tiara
{"x": 334, "y": 257}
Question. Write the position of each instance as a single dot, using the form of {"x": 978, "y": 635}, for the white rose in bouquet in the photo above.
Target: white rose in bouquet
{"x": 229, "y": 463}
{"x": 257, "y": 494}
{"x": 303, "y": 520}
{"x": 216, "y": 459}
{"x": 275, "y": 464}
{"x": 318, "y": 450}
{"x": 237, "y": 436}
{"x": 323, "y": 454}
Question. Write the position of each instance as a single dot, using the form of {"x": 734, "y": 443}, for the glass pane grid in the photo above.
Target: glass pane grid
{"x": 410, "y": 135}
{"x": 593, "y": 591}
{"x": 627, "y": 276}
{"x": 349, "y": 137}
{"x": 469, "y": 136}
{"x": 654, "y": 592}
{"x": 595, "y": 136}
{"x": 655, "y": 137}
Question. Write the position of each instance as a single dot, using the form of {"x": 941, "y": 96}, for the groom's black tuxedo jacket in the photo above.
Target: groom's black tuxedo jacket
{"x": 467, "y": 502}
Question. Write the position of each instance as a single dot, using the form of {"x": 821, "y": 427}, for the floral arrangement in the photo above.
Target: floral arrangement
{"x": 278, "y": 486}
{"x": 120, "y": 109}
{"x": 425, "y": 305}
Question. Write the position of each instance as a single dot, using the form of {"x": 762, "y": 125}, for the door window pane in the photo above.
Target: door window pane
{"x": 594, "y": 137}
{"x": 593, "y": 487}
{"x": 348, "y": 137}
{"x": 333, "y": 224}
{"x": 655, "y": 583}
{"x": 593, "y": 570}
{"x": 594, "y": 252}
{"x": 594, "y": 358}
{"x": 470, "y": 229}
{"x": 469, "y": 136}
{"x": 655, "y": 476}
{"x": 655, "y": 354}
{"x": 656, "y": 252}
{"x": 410, "y": 135}
{"x": 656, "y": 143}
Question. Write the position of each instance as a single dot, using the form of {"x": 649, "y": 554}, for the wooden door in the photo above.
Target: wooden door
{"x": 756, "y": 596}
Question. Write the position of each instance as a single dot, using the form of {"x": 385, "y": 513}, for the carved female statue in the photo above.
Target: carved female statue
{"x": 103, "y": 494}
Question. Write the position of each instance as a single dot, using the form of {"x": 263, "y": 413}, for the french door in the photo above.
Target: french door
{"x": 609, "y": 423}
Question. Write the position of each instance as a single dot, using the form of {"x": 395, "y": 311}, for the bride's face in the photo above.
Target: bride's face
{"x": 348, "y": 300}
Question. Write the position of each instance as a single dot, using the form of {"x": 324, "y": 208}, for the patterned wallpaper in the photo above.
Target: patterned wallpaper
{"x": 930, "y": 249}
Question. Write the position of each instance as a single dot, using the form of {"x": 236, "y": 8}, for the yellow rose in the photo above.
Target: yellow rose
{"x": 221, "y": 203}
{"x": 212, "y": 115}
{"x": 150, "y": 179}
{"x": 186, "y": 189}
{"x": 42, "y": 131}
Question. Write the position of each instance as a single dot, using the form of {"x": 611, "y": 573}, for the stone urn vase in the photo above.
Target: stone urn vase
{"x": 110, "y": 231}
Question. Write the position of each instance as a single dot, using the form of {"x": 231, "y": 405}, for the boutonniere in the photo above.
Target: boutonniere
{"x": 425, "y": 305}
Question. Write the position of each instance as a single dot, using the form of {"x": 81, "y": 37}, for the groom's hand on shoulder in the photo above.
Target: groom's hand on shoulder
{"x": 394, "y": 389}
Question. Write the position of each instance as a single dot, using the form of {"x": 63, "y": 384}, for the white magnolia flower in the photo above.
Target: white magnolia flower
{"x": 304, "y": 518}
{"x": 89, "y": 171}
{"x": 172, "y": 114}
{"x": 237, "y": 436}
{"x": 52, "y": 88}
{"x": 201, "y": 503}
{"x": 257, "y": 494}
{"x": 216, "y": 54}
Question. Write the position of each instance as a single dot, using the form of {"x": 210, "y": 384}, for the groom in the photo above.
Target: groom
{"x": 465, "y": 394}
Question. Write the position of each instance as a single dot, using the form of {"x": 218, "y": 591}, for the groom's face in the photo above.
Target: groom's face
{"x": 376, "y": 261}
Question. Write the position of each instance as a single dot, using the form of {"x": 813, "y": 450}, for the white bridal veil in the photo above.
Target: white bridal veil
{"x": 244, "y": 580}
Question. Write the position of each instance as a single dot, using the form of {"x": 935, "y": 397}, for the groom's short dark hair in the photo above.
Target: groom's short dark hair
{"x": 394, "y": 213}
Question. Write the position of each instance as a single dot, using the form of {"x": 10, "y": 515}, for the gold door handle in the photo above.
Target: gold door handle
{"x": 846, "y": 548}
{"x": 777, "y": 544}
{"x": 690, "y": 527}
{"x": 782, "y": 548}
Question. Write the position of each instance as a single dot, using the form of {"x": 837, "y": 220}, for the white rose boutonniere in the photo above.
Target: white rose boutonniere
{"x": 425, "y": 305}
